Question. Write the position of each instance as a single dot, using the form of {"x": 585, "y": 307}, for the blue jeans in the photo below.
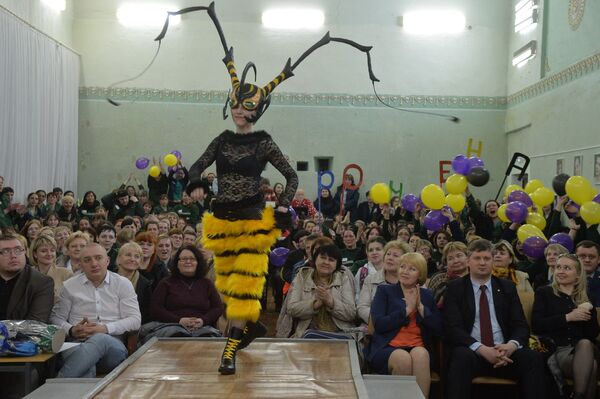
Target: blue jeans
{"x": 101, "y": 351}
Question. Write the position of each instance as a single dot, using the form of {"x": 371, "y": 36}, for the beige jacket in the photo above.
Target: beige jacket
{"x": 368, "y": 293}
{"x": 302, "y": 297}
{"x": 59, "y": 275}
{"x": 523, "y": 285}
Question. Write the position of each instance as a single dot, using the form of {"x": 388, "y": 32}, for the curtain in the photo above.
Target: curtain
{"x": 39, "y": 92}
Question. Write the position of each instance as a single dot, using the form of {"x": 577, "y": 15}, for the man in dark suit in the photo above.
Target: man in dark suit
{"x": 487, "y": 331}
{"x": 25, "y": 293}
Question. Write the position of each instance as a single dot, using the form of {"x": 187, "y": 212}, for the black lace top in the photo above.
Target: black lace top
{"x": 240, "y": 160}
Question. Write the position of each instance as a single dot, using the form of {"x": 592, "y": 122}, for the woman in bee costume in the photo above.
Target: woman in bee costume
{"x": 240, "y": 230}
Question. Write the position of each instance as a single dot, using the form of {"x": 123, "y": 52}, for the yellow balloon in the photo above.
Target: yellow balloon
{"x": 533, "y": 185}
{"x": 543, "y": 196}
{"x": 456, "y": 202}
{"x": 537, "y": 220}
{"x": 529, "y": 230}
{"x": 579, "y": 189}
{"x": 433, "y": 197}
{"x": 380, "y": 193}
{"x": 590, "y": 212}
{"x": 154, "y": 171}
{"x": 456, "y": 184}
{"x": 510, "y": 189}
{"x": 502, "y": 213}
{"x": 170, "y": 160}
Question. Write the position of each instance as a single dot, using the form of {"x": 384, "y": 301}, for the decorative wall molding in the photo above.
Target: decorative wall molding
{"x": 567, "y": 75}
{"x": 295, "y": 99}
{"x": 573, "y": 72}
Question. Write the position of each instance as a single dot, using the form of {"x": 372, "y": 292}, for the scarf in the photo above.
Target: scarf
{"x": 506, "y": 273}
{"x": 134, "y": 277}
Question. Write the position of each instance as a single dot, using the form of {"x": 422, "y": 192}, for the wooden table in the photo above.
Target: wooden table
{"x": 24, "y": 365}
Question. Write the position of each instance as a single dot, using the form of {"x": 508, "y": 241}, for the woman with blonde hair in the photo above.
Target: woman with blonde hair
{"x": 42, "y": 256}
{"x": 504, "y": 266}
{"x": 405, "y": 316}
{"x": 74, "y": 244}
{"x": 129, "y": 259}
{"x": 387, "y": 274}
{"x": 562, "y": 311}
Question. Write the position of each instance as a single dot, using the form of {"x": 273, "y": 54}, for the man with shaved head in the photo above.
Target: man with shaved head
{"x": 95, "y": 308}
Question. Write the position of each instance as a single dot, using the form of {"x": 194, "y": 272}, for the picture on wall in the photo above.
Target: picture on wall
{"x": 597, "y": 168}
{"x": 577, "y": 165}
{"x": 560, "y": 166}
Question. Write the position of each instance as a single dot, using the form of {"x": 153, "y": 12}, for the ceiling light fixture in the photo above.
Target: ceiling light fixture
{"x": 149, "y": 15}
{"x": 525, "y": 54}
{"x": 433, "y": 22}
{"x": 293, "y": 19}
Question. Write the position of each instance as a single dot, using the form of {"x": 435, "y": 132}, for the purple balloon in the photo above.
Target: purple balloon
{"x": 142, "y": 163}
{"x": 516, "y": 212}
{"x": 177, "y": 154}
{"x": 409, "y": 202}
{"x": 435, "y": 221}
{"x": 460, "y": 164}
{"x": 475, "y": 162}
{"x": 563, "y": 239}
{"x": 534, "y": 247}
{"x": 293, "y": 214}
{"x": 520, "y": 196}
{"x": 278, "y": 256}
{"x": 597, "y": 198}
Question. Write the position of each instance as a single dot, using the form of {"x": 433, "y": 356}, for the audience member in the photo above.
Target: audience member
{"x": 128, "y": 263}
{"x": 42, "y": 255}
{"x": 588, "y": 253}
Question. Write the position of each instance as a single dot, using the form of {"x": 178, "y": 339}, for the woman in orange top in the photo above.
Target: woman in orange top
{"x": 404, "y": 316}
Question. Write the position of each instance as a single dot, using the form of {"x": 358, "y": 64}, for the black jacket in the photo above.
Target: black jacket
{"x": 549, "y": 319}
{"x": 459, "y": 312}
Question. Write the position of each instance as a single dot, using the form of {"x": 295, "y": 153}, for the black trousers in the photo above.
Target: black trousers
{"x": 464, "y": 365}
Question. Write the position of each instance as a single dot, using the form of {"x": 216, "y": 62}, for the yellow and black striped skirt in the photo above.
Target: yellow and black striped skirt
{"x": 241, "y": 255}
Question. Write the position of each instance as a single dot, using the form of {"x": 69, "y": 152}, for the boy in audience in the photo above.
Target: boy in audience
{"x": 107, "y": 239}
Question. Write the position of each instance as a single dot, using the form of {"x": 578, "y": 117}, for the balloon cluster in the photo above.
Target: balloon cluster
{"x": 582, "y": 193}
{"x": 472, "y": 168}
{"x": 171, "y": 160}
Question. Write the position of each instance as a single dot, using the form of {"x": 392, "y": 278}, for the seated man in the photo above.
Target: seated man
{"x": 96, "y": 307}
{"x": 486, "y": 329}
{"x": 25, "y": 293}
{"x": 588, "y": 253}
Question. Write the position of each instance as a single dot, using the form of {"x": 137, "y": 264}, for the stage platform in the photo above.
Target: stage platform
{"x": 269, "y": 368}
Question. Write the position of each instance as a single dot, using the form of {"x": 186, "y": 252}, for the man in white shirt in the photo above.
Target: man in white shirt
{"x": 95, "y": 307}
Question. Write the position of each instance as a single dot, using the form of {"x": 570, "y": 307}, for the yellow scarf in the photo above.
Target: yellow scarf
{"x": 134, "y": 278}
{"x": 506, "y": 273}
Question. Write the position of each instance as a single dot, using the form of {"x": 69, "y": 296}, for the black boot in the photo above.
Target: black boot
{"x": 228, "y": 358}
{"x": 251, "y": 332}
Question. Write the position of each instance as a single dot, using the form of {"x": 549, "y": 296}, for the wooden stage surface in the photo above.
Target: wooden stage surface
{"x": 186, "y": 368}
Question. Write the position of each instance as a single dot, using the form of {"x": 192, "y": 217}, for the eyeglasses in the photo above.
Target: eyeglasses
{"x": 185, "y": 260}
{"x": 12, "y": 251}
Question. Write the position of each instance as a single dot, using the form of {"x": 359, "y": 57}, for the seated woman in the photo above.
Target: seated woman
{"x": 42, "y": 255}
{"x": 425, "y": 248}
{"x": 404, "y": 316}
{"x": 129, "y": 259}
{"x": 454, "y": 257}
{"x": 374, "y": 262}
{"x": 187, "y": 297}
{"x": 322, "y": 298}
{"x": 505, "y": 266}
{"x": 388, "y": 274}
{"x": 562, "y": 312}
{"x": 551, "y": 254}
{"x": 150, "y": 267}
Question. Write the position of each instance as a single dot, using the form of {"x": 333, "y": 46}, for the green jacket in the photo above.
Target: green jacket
{"x": 190, "y": 213}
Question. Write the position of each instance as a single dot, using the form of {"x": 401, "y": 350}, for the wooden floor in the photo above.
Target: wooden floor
{"x": 266, "y": 369}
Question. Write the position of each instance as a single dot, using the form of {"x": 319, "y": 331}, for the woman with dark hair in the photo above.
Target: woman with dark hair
{"x": 150, "y": 267}
{"x": 187, "y": 297}
{"x": 329, "y": 208}
{"x": 31, "y": 230}
{"x": 350, "y": 197}
{"x": 89, "y": 205}
{"x": 505, "y": 263}
{"x": 322, "y": 298}
{"x": 439, "y": 239}
{"x": 487, "y": 224}
{"x": 34, "y": 210}
{"x": 562, "y": 311}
